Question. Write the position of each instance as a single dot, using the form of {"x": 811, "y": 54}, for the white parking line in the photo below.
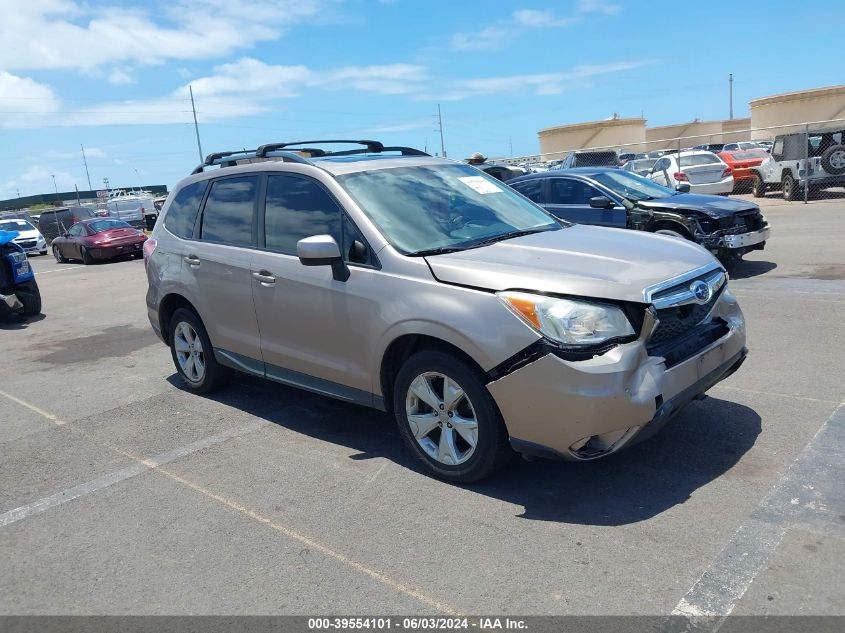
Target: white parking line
{"x": 141, "y": 465}
{"x": 57, "y": 270}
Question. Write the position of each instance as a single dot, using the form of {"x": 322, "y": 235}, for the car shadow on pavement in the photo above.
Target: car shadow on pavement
{"x": 745, "y": 269}
{"x": 18, "y": 322}
{"x": 701, "y": 444}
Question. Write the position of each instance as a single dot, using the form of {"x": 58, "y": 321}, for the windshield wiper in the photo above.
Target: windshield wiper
{"x": 507, "y": 236}
{"x": 440, "y": 250}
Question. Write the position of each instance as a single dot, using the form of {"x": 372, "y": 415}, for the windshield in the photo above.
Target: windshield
{"x": 99, "y": 226}
{"x": 15, "y": 225}
{"x": 632, "y": 186}
{"x": 424, "y": 208}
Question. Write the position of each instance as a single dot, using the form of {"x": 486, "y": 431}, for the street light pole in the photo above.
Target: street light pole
{"x": 56, "y": 215}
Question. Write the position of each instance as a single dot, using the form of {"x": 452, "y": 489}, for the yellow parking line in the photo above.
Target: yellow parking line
{"x": 255, "y": 516}
{"x": 49, "y": 416}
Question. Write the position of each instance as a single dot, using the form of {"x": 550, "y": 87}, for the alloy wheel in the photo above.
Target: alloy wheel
{"x": 189, "y": 352}
{"x": 441, "y": 418}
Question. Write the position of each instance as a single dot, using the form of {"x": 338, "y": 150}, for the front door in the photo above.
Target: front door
{"x": 569, "y": 198}
{"x": 314, "y": 329}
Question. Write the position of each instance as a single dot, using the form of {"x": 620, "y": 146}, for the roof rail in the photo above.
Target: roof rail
{"x": 217, "y": 158}
{"x": 372, "y": 146}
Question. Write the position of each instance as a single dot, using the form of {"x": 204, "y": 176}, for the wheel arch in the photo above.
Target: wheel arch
{"x": 671, "y": 225}
{"x": 168, "y": 306}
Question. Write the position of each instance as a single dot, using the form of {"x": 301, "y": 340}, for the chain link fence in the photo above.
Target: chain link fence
{"x": 797, "y": 161}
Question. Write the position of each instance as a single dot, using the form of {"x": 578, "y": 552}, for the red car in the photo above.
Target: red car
{"x": 98, "y": 238}
{"x": 741, "y": 161}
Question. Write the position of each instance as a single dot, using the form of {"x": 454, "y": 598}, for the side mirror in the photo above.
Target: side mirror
{"x": 683, "y": 188}
{"x": 322, "y": 250}
{"x": 601, "y": 202}
{"x": 65, "y": 234}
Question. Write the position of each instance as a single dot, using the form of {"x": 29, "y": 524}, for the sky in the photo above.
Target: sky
{"x": 113, "y": 75}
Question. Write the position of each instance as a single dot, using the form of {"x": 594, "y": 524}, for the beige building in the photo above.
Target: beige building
{"x": 804, "y": 106}
{"x": 615, "y": 132}
{"x": 697, "y": 132}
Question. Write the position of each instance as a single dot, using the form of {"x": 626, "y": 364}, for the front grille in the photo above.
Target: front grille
{"x": 742, "y": 222}
{"x": 683, "y": 330}
{"x": 27, "y": 244}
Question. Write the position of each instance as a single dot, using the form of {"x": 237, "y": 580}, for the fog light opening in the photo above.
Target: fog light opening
{"x": 599, "y": 445}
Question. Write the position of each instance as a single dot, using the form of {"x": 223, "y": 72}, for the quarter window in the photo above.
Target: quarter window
{"x": 297, "y": 208}
{"x": 182, "y": 214}
{"x": 227, "y": 216}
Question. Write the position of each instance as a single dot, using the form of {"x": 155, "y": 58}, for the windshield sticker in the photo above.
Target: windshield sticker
{"x": 480, "y": 184}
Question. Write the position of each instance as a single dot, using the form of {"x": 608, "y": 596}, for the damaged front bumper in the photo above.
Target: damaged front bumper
{"x": 582, "y": 410}
{"x": 733, "y": 241}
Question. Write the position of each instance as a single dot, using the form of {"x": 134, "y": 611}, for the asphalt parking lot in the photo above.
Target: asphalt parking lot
{"x": 120, "y": 493}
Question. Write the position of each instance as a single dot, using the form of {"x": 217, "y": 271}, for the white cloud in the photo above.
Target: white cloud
{"x": 399, "y": 127}
{"x": 184, "y": 73}
{"x": 59, "y": 34}
{"x": 490, "y": 38}
{"x": 599, "y": 6}
{"x": 120, "y": 77}
{"x": 24, "y": 101}
{"x": 545, "y": 19}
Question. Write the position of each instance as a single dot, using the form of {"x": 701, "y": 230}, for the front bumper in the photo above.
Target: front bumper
{"x": 744, "y": 240}
{"x": 580, "y": 410}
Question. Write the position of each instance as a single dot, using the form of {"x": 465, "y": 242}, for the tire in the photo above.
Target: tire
{"x": 204, "y": 374}
{"x": 58, "y": 255}
{"x": 790, "y": 188}
{"x": 451, "y": 457}
{"x": 833, "y": 160}
{"x": 758, "y": 187}
{"x": 43, "y": 253}
{"x": 670, "y": 233}
{"x": 30, "y": 297}
{"x": 86, "y": 256}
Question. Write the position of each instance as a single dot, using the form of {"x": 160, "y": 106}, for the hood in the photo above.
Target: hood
{"x": 28, "y": 235}
{"x": 714, "y": 206}
{"x": 585, "y": 261}
{"x": 7, "y": 236}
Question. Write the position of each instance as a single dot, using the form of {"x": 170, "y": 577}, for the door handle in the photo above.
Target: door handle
{"x": 264, "y": 277}
{"x": 192, "y": 260}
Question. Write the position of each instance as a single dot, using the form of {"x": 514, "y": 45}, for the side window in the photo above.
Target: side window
{"x": 566, "y": 191}
{"x": 227, "y": 216}
{"x": 777, "y": 149}
{"x": 662, "y": 164}
{"x": 297, "y": 208}
{"x": 182, "y": 214}
{"x": 531, "y": 189}
{"x": 77, "y": 230}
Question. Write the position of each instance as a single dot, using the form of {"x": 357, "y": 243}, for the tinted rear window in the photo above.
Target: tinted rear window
{"x": 182, "y": 214}
{"x": 698, "y": 159}
{"x": 750, "y": 154}
{"x": 531, "y": 189}
{"x": 227, "y": 216}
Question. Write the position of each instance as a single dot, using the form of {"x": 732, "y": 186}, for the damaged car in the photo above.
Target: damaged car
{"x": 19, "y": 292}
{"x": 483, "y": 324}
{"x": 726, "y": 227}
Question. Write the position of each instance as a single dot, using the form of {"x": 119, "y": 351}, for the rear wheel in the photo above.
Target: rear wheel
{"x": 86, "y": 256}
{"x": 758, "y": 186}
{"x": 57, "y": 253}
{"x": 193, "y": 355}
{"x": 448, "y": 419}
{"x": 790, "y": 188}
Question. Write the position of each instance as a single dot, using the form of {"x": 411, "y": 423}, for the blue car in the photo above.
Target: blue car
{"x": 19, "y": 292}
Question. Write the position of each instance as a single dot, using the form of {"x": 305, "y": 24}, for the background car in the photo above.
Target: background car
{"x": 710, "y": 147}
{"x": 704, "y": 172}
{"x": 732, "y": 147}
{"x": 741, "y": 162}
{"x": 19, "y": 293}
{"x": 616, "y": 198}
{"x": 29, "y": 238}
{"x": 766, "y": 145}
{"x": 98, "y": 238}
{"x": 640, "y": 166}
{"x": 55, "y": 222}
{"x": 591, "y": 158}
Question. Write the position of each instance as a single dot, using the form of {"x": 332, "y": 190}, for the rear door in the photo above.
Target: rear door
{"x": 569, "y": 199}
{"x": 216, "y": 268}
{"x": 313, "y": 328}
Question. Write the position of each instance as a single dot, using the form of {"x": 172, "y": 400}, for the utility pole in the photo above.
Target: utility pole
{"x": 440, "y": 125}
{"x": 731, "y": 94}
{"x": 86, "y": 167}
{"x": 510, "y": 144}
{"x": 196, "y": 127}
{"x": 106, "y": 183}
{"x": 56, "y": 215}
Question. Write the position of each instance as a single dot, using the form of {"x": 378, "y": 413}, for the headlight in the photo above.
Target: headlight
{"x": 567, "y": 321}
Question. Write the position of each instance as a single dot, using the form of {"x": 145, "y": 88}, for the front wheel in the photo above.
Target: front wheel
{"x": 670, "y": 233}
{"x": 30, "y": 297}
{"x": 193, "y": 355}
{"x": 57, "y": 253}
{"x": 448, "y": 419}
{"x": 758, "y": 186}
